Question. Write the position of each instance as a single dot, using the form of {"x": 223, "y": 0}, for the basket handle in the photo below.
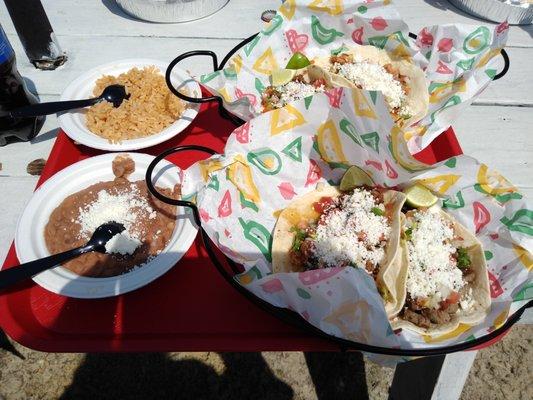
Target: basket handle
{"x": 219, "y": 100}
{"x": 169, "y": 200}
{"x": 504, "y": 54}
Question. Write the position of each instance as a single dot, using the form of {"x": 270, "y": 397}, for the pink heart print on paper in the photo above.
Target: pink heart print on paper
{"x": 272, "y": 286}
{"x": 286, "y": 190}
{"x": 297, "y": 41}
{"x": 251, "y": 98}
{"x": 316, "y": 275}
{"x": 443, "y": 68}
{"x": 379, "y": 23}
{"x": 334, "y": 96}
{"x": 242, "y": 133}
{"x": 357, "y": 35}
{"x": 445, "y": 45}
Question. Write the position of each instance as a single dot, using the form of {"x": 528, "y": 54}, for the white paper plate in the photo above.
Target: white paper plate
{"x": 73, "y": 122}
{"x": 29, "y": 237}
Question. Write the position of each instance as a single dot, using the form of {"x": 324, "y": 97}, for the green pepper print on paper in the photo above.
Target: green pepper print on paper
{"x": 349, "y": 130}
{"x": 294, "y": 149}
{"x": 259, "y": 86}
{"x": 501, "y": 198}
{"x": 371, "y": 140}
{"x": 214, "y": 183}
{"x": 267, "y": 161}
{"x": 477, "y": 41}
{"x": 525, "y": 293}
{"x": 452, "y": 101}
{"x": 454, "y": 202}
{"x": 260, "y": 236}
{"x": 273, "y": 26}
{"x": 451, "y": 162}
{"x": 209, "y": 77}
{"x": 245, "y": 203}
{"x": 522, "y": 221}
{"x": 250, "y": 46}
{"x": 321, "y": 34}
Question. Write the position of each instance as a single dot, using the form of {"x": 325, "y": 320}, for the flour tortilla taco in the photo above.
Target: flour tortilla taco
{"x": 359, "y": 228}
{"x": 290, "y": 85}
{"x": 402, "y": 83}
{"x": 447, "y": 281}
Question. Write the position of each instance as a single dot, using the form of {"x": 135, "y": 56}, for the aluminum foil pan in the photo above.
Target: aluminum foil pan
{"x": 496, "y": 11}
{"x": 170, "y": 10}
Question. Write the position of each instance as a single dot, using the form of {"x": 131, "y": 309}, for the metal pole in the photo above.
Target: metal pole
{"x": 36, "y": 33}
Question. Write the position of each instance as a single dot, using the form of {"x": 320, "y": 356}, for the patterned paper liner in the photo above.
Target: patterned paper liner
{"x": 285, "y": 153}
{"x": 459, "y": 60}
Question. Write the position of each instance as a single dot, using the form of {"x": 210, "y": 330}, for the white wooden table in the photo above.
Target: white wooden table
{"x": 497, "y": 129}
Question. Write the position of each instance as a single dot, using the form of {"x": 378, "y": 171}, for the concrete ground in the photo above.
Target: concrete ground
{"x": 503, "y": 371}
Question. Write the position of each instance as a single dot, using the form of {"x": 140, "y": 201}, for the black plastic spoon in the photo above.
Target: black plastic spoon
{"x": 113, "y": 93}
{"x": 98, "y": 240}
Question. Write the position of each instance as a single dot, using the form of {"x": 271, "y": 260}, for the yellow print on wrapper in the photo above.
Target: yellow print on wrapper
{"x": 440, "y": 183}
{"x": 361, "y": 105}
{"x": 525, "y": 257}
{"x": 285, "y": 118}
{"x": 240, "y": 174}
{"x": 352, "y": 315}
{"x": 462, "y": 328}
{"x": 487, "y": 57}
{"x": 444, "y": 90}
{"x": 401, "y": 153}
{"x": 208, "y": 166}
{"x": 332, "y": 7}
{"x": 236, "y": 62}
{"x": 288, "y": 8}
{"x": 329, "y": 142}
{"x": 266, "y": 63}
{"x": 492, "y": 182}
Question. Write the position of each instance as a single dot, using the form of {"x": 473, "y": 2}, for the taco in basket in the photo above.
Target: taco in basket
{"x": 290, "y": 85}
{"x": 367, "y": 67}
{"x": 447, "y": 281}
{"x": 359, "y": 228}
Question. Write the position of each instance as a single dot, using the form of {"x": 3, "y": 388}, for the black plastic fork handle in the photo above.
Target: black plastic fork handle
{"x": 24, "y": 271}
{"x": 52, "y": 107}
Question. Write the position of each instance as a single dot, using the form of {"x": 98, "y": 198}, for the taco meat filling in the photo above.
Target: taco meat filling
{"x": 352, "y": 230}
{"x": 369, "y": 75}
{"x": 439, "y": 270}
{"x": 300, "y": 87}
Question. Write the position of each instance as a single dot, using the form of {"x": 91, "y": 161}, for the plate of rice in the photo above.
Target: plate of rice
{"x": 151, "y": 114}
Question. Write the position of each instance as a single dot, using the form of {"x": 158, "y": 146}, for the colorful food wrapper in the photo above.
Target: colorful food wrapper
{"x": 458, "y": 60}
{"x": 285, "y": 153}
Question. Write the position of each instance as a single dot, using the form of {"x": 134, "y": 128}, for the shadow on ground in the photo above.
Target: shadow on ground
{"x": 244, "y": 375}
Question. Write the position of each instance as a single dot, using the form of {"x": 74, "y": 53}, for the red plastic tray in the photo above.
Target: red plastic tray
{"x": 190, "y": 308}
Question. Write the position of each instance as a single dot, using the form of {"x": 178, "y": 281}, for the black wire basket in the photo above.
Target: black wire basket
{"x": 229, "y": 269}
{"x": 218, "y": 67}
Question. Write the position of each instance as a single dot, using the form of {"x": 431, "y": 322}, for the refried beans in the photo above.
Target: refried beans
{"x": 146, "y": 219}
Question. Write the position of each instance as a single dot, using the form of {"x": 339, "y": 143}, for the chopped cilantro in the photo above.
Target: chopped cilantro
{"x": 299, "y": 237}
{"x": 463, "y": 259}
{"x": 377, "y": 211}
{"x": 405, "y": 116}
{"x": 408, "y": 233}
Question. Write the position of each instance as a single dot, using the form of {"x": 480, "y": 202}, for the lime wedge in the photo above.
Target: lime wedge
{"x": 297, "y": 61}
{"x": 282, "y": 76}
{"x": 420, "y": 196}
{"x": 353, "y": 177}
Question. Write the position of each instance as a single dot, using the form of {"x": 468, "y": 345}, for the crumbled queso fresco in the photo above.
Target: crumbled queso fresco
{"x": 433, "y": 273}
{"x": 372, "y": 76}
{"x": 339, "y": 238}
{"x": 120, "y": 208}
{"x": 293, "y": 91}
